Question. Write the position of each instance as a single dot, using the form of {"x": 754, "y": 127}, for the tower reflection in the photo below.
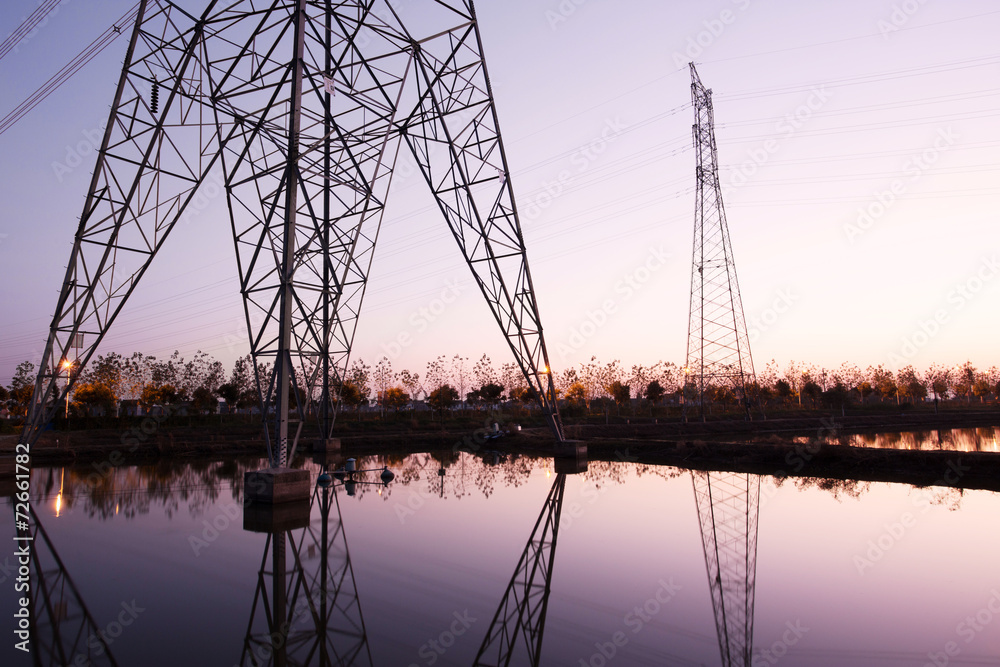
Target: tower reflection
{"x": 728, "y": 505}
{"x": 515, "y": 634}
{"x": 306, "y": 609}
{"x": 62, "y": 630}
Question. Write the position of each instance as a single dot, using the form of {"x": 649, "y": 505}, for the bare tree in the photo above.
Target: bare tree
{"x": 436, "y": 374}
{"x": 483, "y": 373}
{"x": 460, "y": 374}
{"x": 412, "y": 383}
{"x": 384, "y": 379}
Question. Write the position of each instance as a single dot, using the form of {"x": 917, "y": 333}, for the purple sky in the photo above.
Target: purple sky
{"x": 824, "y": 112}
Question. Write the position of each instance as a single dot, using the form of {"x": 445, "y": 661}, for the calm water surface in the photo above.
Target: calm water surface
{"x": 162, "y": 563}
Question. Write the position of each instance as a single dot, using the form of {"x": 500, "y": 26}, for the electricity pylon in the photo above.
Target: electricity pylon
{"x": 718, "y": 347}
{"x": 728, "y": 505}
{"x": 299, "y": 109}
{"x": 520, "y": 618}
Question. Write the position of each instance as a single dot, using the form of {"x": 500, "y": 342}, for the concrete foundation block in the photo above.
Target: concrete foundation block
{"x": 273, "y": 486}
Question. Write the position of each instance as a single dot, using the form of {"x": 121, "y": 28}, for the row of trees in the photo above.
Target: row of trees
{"x": 446, "y": 382}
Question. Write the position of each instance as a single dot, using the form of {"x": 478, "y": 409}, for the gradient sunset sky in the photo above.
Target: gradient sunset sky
{"x": 859, "y": 146}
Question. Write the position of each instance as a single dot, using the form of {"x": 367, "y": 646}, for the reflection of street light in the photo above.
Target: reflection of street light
{"x": 62, "y": 478}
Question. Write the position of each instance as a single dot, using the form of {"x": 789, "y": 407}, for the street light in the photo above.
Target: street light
{"x": 67, "y": 366}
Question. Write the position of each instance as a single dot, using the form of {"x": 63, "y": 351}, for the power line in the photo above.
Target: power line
{"x": 22, "y": 31}
{"x": 845, "y": 39}
{"x": 75, "y": 65}
{"x": 938, "y": 68}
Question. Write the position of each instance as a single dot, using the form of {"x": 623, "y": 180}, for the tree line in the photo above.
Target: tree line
{"x": 446, "y": 382}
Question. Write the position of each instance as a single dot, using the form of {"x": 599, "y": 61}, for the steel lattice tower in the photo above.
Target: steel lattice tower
{"x": 718, "y": 348}
{"x": 299, "y": 109}
{"x": 728, "y": 505}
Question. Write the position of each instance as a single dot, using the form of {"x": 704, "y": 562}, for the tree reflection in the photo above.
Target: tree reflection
{"x": 105, "y": 491}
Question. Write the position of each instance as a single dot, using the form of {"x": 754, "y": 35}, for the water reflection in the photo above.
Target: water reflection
{"x": 727, "y": 513}
{"x": 103, "y": 491}
{"x": 63, "y": 632}
{"x": 417, "y": 563}
{"x": 984, "y": 439}
{"x": 515, "y": 634}
{"x": 305, "y": 612}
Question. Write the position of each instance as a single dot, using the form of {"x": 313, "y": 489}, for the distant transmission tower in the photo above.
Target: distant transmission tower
{"x": 718, "y": 348}
{"x": 299, "y": 109}
{"x": 728, "y": 505}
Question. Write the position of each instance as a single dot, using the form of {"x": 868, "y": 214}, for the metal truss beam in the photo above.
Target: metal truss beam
{"x": 454, "y": 135}
{"x": 150, "y": 163}
{"x": 718, "y": 348}
{"x": 728, "y": 505}
{"x": 521, "y": 614}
